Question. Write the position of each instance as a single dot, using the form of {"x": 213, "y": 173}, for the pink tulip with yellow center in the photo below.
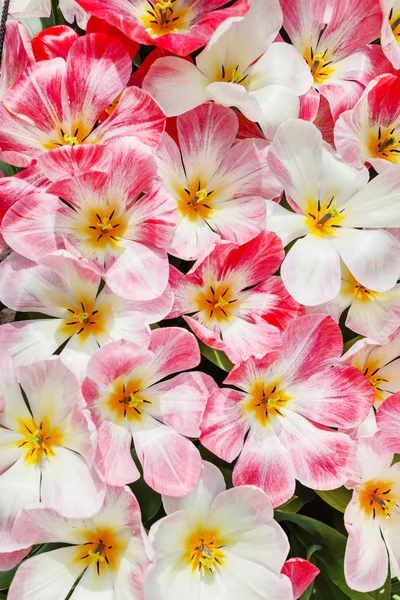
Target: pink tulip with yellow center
{"x": 218, "y": 543}
{"x": 231, "y": 300}
{"x": 370, "y": 132}
{"x": 128, "y": 398}
{"x": 286, "y": 404}
{"x": 68, "y": 291}
{"x": 106, "y": 556}
{"x": 219, "y": 185}
{"x": 372, "y": 518}
{"x": 48, "y": 445}
{"x": 178, "y": 26}
{"x": 334, "y": 37}
{"x": 337, "y": 215}
{"x": 120, "y": 221}
{"x": 50, "y": 112}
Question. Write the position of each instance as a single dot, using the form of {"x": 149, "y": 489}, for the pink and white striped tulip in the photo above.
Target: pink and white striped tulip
{"x": 48, "y": 445}
{"x": 334, "y": 38}
{"x": 369, "y": 133}
{"x": 68, "y": 291}
{"x": 106, "y": 219}
{"x": 337, "y": 215}
{"x": 177, "y": 26}
{"x": 105, "y": 556}
{"x": 241, "y": 66}
{"x": 50, "y": 112}
{"x": 218, "y": 543}
{"x": 301, "y": 574}
{"x": 231, "y": 300}
{"x": 287, "y": 405}
{"x": 125, "y": 391}
{"x": 372, "y": 518}
{"x": 219, "y": 187}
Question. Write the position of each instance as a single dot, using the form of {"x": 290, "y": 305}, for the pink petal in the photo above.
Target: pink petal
{"x": 15, "y": 61}
{"x": 89, "y": 94}
{"x": 179, "y": 402}
{"x": 322, "y": 459}
{"x": 137, "y": 115}
{"x": 337, "y": 397}
{"x": 73, "y": 161}
{"x": 388, "y": 421}
{"x": 171, "y": 463}
{"x": 266, "y": 463}
{"x": 115, "y": 454}
{"x": 224, "y": 425}
{"x": 301, "y": 574}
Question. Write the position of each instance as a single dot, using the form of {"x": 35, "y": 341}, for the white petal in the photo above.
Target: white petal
{"x": 311, "y": 271}
{"x": 285, "y": 223}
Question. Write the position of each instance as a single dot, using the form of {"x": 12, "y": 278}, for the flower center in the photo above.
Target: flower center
{"x": 377, "y": 382}
{"x": 323, "y": 219}
{"x": 217, "y": 301}
{"x": 377, "y": 499}
{"x": 395, "y": 25}
{"x": 266, "y": 400}
{"x": 320, "y": 67}
{"x": 102, "y": 550}
{"x": 195, "y": 201}
{"x": 163, "y": 17}
{"x": 232, "y": 75}
{"x": 77, "y": 135}
{"x": 204, "y": 551}
{"x": 38, "y": 440}
{"x": 362, "y": 293}
{"x": 105, "y": 230}
{"x": 83, "y": 320}
{"x": 385, "y": 144}
{"x": 127, "y": 401}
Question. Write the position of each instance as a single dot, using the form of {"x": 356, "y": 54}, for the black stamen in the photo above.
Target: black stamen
{"x": 112, "y": 214}
{"x": 80, "y": 331}
{"x": 319, "y": 205}
{"x": 223, "y": 71}
{"x": 98, "y": 216}
{"x": 365, "y": 372}
{"x": 330, "y": 201}
{"x": 212, "y": 290}
{"x": 92, "y": 227}
{"x": 312, "y": 216}
{"x": 99, "y": 238}
{"x": 26, "y": 427}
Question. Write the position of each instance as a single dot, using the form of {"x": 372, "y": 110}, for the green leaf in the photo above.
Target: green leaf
{"x": 301, "y": 497}
{"x": 338, "y": 499}
{"x": 216, "y": 356}
{"x": 6, "y": 578}
{"x": 149, "y": 500}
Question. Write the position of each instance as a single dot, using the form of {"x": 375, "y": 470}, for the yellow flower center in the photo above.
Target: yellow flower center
{"x": 383, "y": 143}
{"x": 321, "y": 68}
{"x": 77, "y": 135}
{"x": 362, "y": 293}
{"x": 395, "y": 25}
{"x": 103, "y": 549}
{"x": 377, "y": 499}
{"x": 195, "y": 201}
{"x": 126, "y": 400}
{"x": 371, "y": 372}
{"x": 265, "y": 400}
{"x": 217, "y": 301}
{"x": 163, "y": 17}
{"x": 231, "y": 75}
{"x": 204, "y": 550}
{"x": 84, "y": 320}
{"x": 105, "y": 230}
{"x": 38, "y": 440}
{"x": 323, "y": 219}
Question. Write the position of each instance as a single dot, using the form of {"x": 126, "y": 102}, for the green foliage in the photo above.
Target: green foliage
{"x": 216, "y": 356}
{"x": 338, "y": 499}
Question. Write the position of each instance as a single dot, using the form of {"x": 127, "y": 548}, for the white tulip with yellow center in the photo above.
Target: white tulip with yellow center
{"x": 241, "y": 66}
{"x": 218, "y": 544}
{"x": 337, "y": 215}
{"x": 47, "y": 445}
{"x": 106, "y": 556}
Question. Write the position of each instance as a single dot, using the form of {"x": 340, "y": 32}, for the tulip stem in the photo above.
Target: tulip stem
{"x": 54, "y": 14}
